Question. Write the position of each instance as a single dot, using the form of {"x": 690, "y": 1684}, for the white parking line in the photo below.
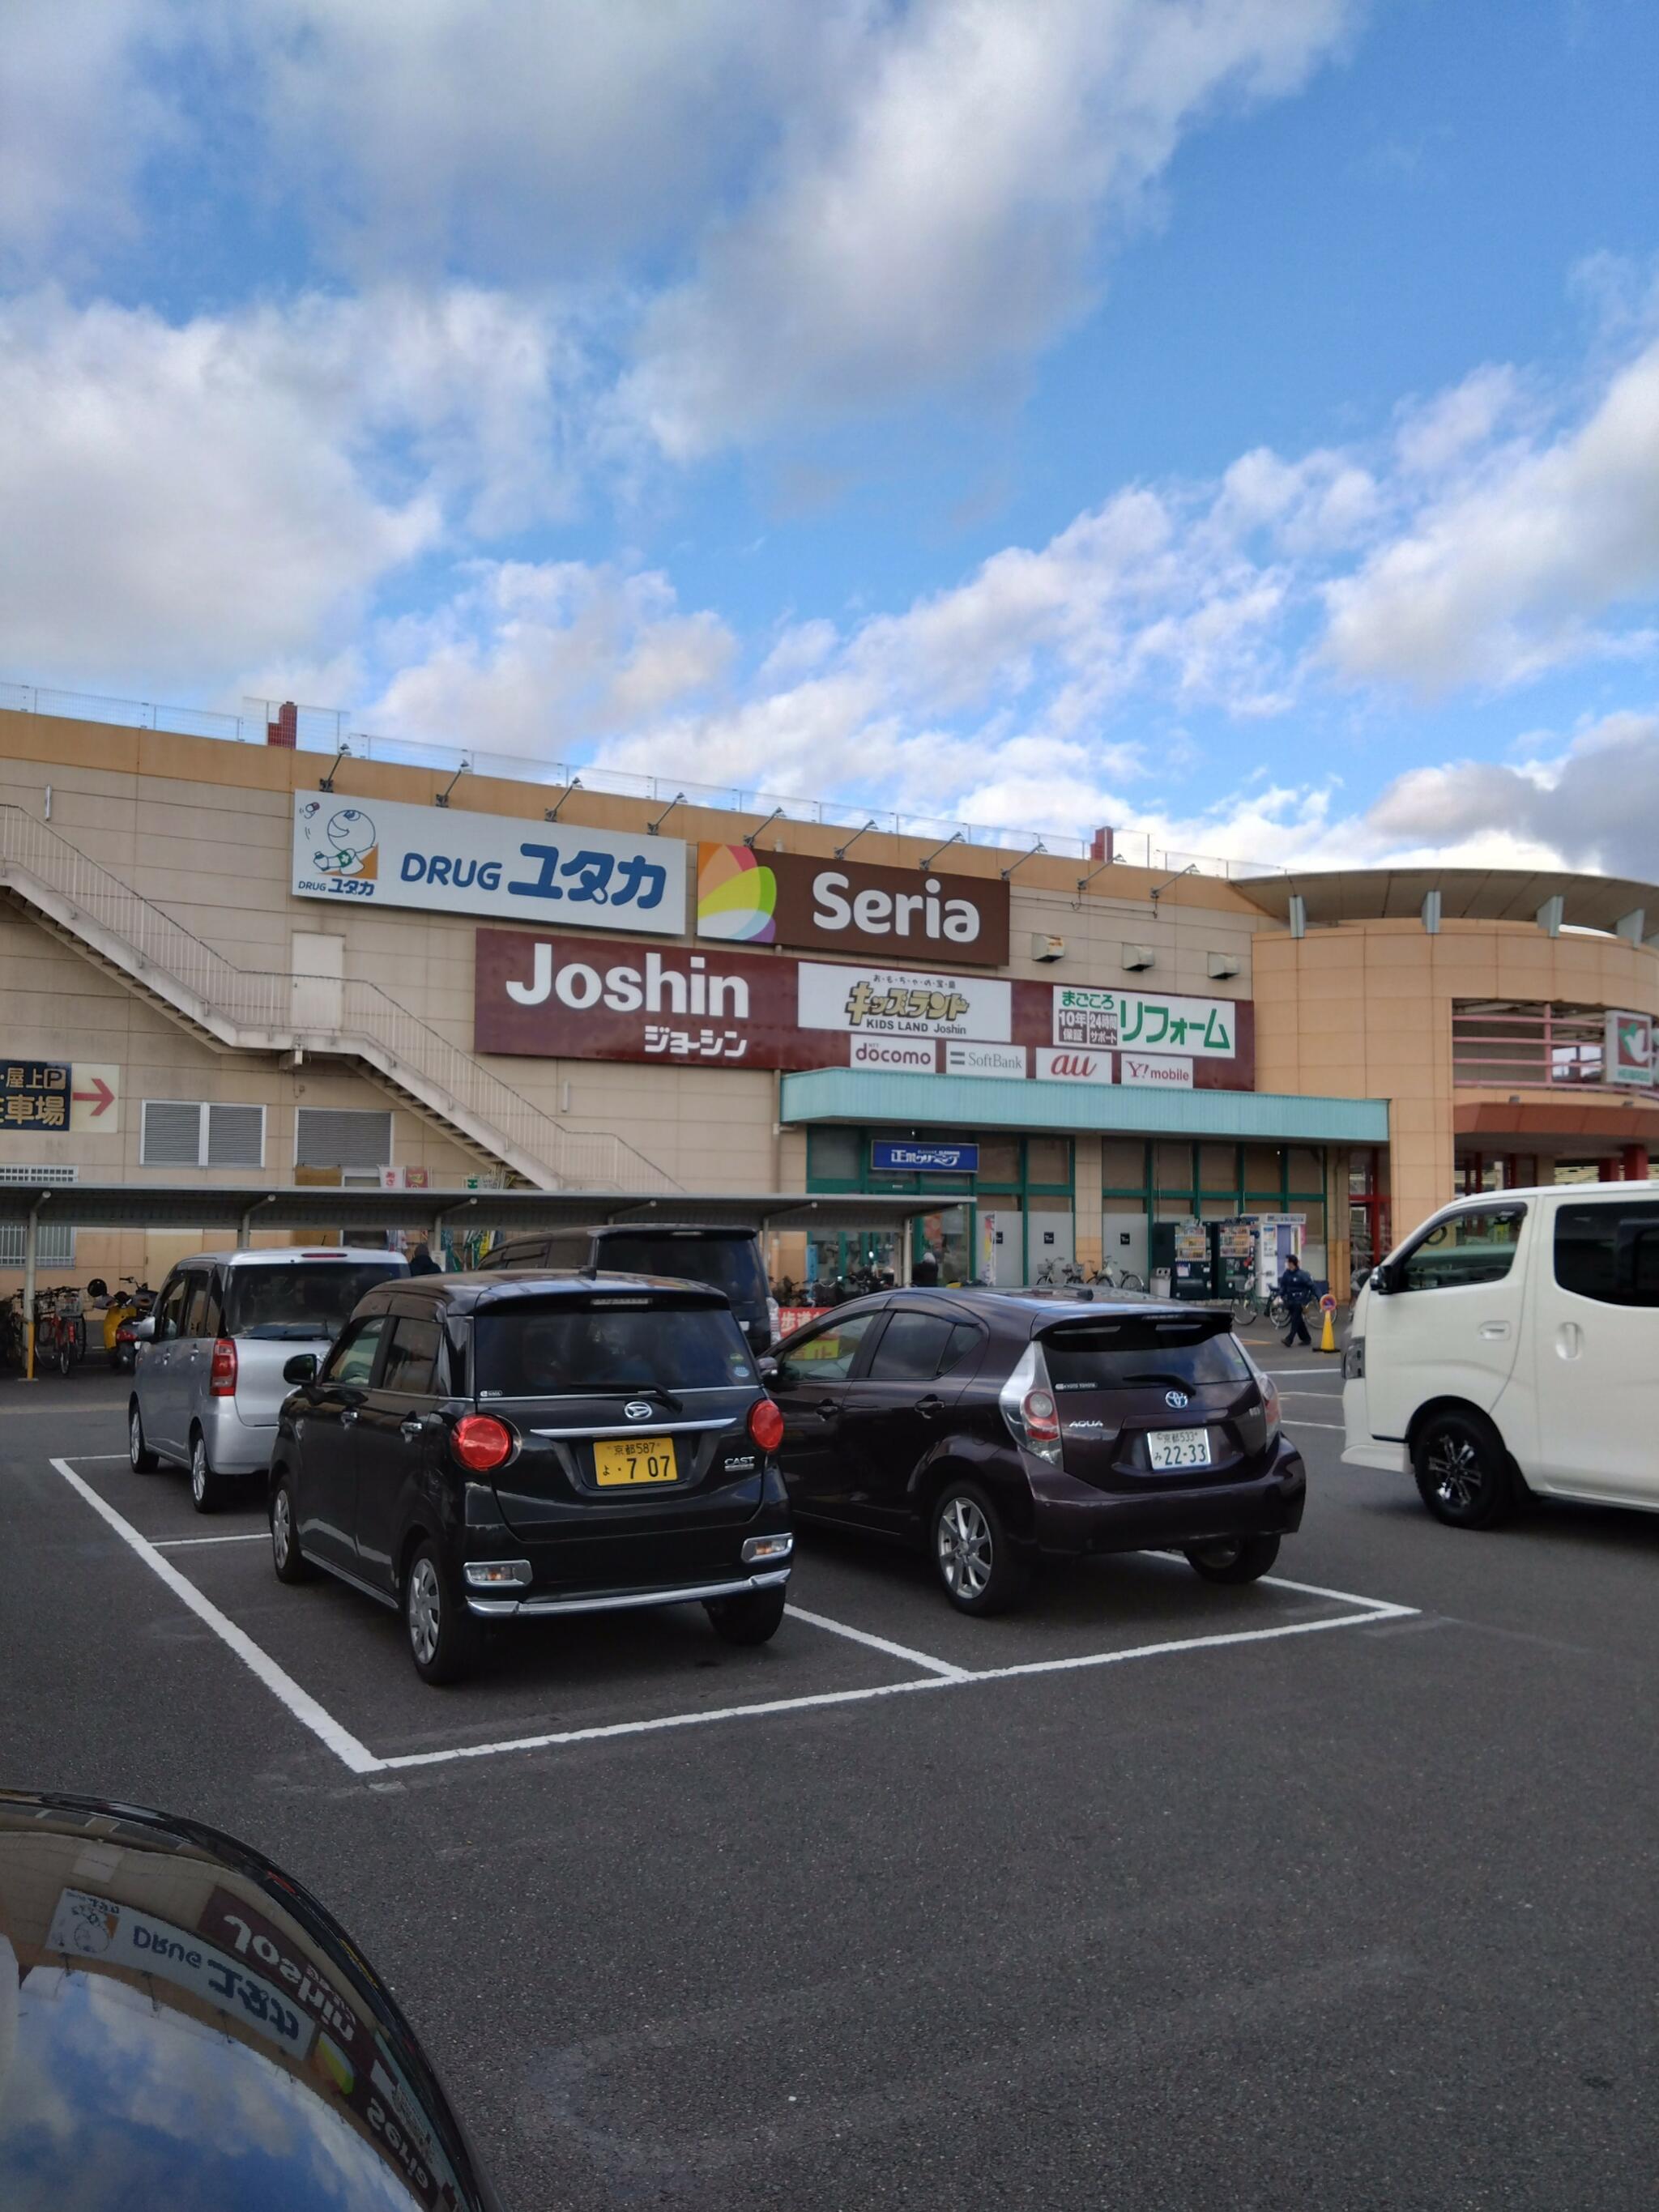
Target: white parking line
{"x": 187, "y": 1543}
{"x": 942, "y": 1666}
{"x": 281, "y": 1684}
{"x": 1295, "y": 1421}
{"x": 941, "y": 1675}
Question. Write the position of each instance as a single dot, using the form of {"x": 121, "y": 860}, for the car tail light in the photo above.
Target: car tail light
{"x": 1041, "y": 1416}
{"x": 766, "y": 1424}
{"x": 1027, "y": 1400}
{"x": 480, "y": 1441}
{"x": 221, "y": 1375}
{"x": 1271, "y": 1407}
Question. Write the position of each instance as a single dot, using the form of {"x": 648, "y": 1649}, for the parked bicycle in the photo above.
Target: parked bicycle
{"x": 60, "y": 1328}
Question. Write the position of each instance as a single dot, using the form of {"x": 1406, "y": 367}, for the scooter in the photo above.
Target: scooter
{"x": 120, "y": 1311}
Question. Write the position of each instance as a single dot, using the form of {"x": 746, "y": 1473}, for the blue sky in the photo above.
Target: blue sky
{"x": 1234, "y": 420}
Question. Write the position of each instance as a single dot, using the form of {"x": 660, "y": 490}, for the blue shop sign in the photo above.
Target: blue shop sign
{"x": 888, "y": 1157}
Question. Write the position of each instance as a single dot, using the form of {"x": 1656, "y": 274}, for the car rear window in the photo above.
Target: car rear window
{"x": 731, "y": 1264}
{"x": 303, "y": 1299}
{"x": 532, "y": 1349}
{"x": 1142, "y": 1355}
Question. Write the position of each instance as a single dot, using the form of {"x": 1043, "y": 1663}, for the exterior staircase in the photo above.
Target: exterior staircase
{"x": 234, "y": 1009}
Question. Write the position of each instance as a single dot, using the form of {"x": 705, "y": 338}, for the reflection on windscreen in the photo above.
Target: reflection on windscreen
{"x": 310, "y": 1298}
{"x": 543, "y": 1351}
{"x": 731, "y": 1264}
{"x": 1141, "y": 1356}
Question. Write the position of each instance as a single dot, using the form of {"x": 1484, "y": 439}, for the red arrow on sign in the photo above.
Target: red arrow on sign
{"x": 101, "y": 1094}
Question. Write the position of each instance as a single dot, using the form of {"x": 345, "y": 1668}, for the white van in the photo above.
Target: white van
{"x": 1512, "y": 1344}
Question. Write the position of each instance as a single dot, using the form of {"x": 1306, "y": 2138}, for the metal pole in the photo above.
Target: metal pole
{"x": 31, "y": 1252}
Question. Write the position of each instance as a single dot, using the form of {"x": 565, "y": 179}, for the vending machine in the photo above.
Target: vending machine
{"x": 1232, "y": 1258}
{"x": 1183, "y": 1248}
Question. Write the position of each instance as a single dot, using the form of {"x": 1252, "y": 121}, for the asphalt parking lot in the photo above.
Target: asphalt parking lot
{"x": 1338, "y": 1889}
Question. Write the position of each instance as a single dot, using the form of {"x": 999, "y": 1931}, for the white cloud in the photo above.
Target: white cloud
{"x": 1510, "y": 569}
{"x": 1594, "y": 805}
{"x": 522, "y": 136}
{"x": 79, "y": 116}
{"x": 185, "y": 499}
{"x": 939, "y": 208}
{"x": 543, "y": 658}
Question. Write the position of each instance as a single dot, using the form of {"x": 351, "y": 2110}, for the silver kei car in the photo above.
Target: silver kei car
{"x": 207, "y": 1384}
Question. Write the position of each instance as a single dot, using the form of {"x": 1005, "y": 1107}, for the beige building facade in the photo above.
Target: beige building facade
{"x": 215, "y": 1026}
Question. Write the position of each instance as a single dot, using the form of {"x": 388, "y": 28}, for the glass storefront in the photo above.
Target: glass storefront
{"x": 1001, "y": 1226}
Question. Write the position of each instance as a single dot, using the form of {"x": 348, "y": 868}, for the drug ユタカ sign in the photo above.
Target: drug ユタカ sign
{"x": 382, "y": 853}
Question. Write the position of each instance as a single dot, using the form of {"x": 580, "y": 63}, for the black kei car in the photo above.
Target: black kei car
{"x": 997, "y": 1429}
{"x": 493, "y": 1446}
{"x": 182, "y": 2024}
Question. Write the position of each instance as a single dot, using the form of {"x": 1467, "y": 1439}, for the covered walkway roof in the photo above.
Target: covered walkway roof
{"x": 986, "y": 1101}
{"x": 241, "y": 1207}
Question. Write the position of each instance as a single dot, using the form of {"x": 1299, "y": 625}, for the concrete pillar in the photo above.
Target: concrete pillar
{"x": 1636, "y": 1163}
{"x": 1085, "y": 1201}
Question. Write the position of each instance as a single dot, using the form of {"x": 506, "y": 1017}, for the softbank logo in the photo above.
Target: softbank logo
{"x": 656, "y": 988}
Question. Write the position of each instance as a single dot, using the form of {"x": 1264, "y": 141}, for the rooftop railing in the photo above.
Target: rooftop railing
{"x": 327, "y": 730}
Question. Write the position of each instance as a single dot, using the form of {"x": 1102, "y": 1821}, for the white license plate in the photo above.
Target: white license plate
{"x": 1167, "y": 1448}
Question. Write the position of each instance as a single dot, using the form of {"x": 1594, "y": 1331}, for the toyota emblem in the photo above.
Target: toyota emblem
{"x": 637, "y": 1409}
{"x": 1170, "y": 1398}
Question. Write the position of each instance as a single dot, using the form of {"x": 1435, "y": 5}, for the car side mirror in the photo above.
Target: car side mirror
{"x": 303, "y": 1367}
{"x": 769, "y": 1371}
{"x": 1382, "y": 1280}
{"x": 143, "y": 1331}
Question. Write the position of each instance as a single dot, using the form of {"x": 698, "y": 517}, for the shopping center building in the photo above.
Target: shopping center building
{"x": 230, "y": 959}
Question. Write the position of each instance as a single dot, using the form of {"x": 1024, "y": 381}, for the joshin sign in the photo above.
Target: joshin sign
{"x": 381, "y": 852}
{"x": 560, "y": 998}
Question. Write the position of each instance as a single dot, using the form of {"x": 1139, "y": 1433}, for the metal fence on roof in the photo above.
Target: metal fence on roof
{"x": 327, "y": 730}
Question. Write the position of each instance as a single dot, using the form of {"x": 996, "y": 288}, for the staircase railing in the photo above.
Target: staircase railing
{"x": 265, "y": 1011}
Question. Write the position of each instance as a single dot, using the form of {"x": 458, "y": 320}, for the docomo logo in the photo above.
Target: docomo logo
{"x": 925, "y": 913}
{"x": 884, "y": 1051}
{"x": 655, "y": 989}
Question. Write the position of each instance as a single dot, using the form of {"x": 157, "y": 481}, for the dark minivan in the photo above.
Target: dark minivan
{"x": 727, "y": 1260}
{"x": 488, "y": 1447}
{"x": 999, "y": 1429}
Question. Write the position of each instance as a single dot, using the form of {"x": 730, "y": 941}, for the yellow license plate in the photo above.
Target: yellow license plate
{"x": 633, "y": 1460}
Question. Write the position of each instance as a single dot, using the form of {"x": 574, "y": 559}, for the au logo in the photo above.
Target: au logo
{"x": 347, "y": 845}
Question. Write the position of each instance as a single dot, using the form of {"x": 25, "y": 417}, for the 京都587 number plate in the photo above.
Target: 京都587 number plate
{"x": 633, "y": 1460}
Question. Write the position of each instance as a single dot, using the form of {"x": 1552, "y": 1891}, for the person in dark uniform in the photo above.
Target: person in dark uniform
{"x": 421, "y": 1261}
{"x": 1296, "y": 1287}
{"x": 925, "y": 1273}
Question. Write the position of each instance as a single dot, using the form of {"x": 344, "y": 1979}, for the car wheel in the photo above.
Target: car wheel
{"x": 1462, "y": 1472}
{"x": 289, "y": 1561}
{"x": 754, "y": 1617}
{"x": 208, "y": 1491}
{"x": 1233, "y": 1558}
{"x": 443, "y": 1635}
{"x": 971, "y": 1553}
{"x": 144, "y": 1460}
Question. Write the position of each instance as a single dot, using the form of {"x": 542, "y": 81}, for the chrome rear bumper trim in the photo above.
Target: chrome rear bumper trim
{"x": 670, "y": 1427}
{"x": 501, "y": 1608}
